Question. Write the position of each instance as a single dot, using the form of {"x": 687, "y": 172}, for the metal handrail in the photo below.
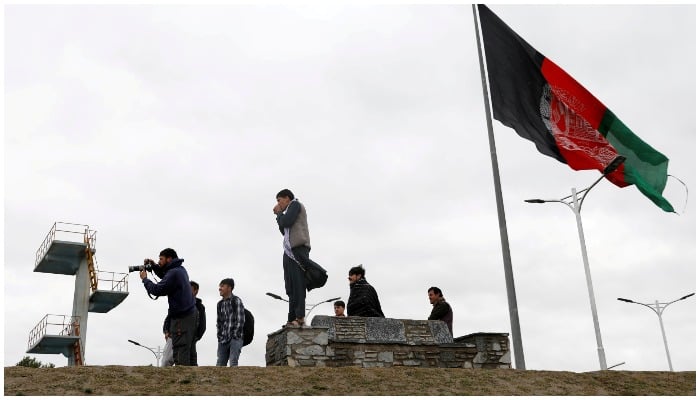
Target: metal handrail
{"x": 71, "y": 327}
{"x": 116, "y": 283}
{"x": 45, "y": 245}
{"x": 64, "y": 227}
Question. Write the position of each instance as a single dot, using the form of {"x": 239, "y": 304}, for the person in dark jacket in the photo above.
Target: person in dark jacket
{"x": 201, "y": 321}
{"x": 292, "y": 223}
{"x": 201, "y": 326}
{"x": 441, "y": 308}
{"x": 182, "y": 312}
{"x": 363, "y": 300}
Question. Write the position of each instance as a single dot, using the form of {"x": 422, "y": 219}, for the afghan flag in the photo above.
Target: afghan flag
{"x": 544, "y": 104}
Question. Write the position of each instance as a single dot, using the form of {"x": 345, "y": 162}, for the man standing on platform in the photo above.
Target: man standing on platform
{"x": 291, "y": 220}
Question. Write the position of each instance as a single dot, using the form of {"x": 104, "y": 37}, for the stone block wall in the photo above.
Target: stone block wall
{"x": 384, "y": 342}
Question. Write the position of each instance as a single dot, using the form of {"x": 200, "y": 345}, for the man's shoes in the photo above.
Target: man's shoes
{"x": 297, "y": 323}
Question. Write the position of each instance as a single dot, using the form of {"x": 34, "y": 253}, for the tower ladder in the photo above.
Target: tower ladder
{"x": 90, "y": 259}
{"x": 77, "y": 348}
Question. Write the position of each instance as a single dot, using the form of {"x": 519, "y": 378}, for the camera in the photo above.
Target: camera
{"x": 134, "y": 268}
{"x": 149, "y": 266}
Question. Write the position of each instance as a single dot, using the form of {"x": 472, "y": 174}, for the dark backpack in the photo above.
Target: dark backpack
{"x": 314, "y": 275}
{"x": 248, "y": 327}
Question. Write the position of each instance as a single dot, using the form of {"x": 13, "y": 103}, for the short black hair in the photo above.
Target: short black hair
{"x": 357, "y": 271}
{"x": 228, "y": 281}
{"x": 285, "y": 193}
{"x": 195, "y": 285}
{"x": 168, "y": 253}
{"x": 340, "y": 303}
{"x": 436, "y": 290}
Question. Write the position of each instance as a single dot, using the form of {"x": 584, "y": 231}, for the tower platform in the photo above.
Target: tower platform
{"x": 61, "y": 257}
{"x": 112, "y": 289}
{"x": 101, "y": 301}
{"x": 54, "y": 334}
{"x": 54, "y": 344}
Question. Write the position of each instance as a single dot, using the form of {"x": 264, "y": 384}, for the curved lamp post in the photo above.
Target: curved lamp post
{"x": 659, "y": 309}
{"x": 575, "y": 204}
{"x": 308, "y": 309}
{"x": 157, "y": 354}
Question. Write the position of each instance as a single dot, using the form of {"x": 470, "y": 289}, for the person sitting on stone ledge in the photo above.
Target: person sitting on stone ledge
{"x": 441, "y": 308}
{"x": 363, "y": 300}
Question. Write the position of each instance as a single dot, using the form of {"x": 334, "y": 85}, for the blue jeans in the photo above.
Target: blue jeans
{"x": 230, "y": 352}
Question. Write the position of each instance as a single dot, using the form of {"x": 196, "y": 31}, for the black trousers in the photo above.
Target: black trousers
{"x": 295, "y": 286}
{"x": 183, "y": 331}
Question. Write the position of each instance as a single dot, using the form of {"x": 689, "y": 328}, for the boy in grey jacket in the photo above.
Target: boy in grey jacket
{"x": 291, "y": 220}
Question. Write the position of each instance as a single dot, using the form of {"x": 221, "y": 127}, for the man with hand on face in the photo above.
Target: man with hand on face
{"x": 292, "y": 223}
{"x": 182, "y": 313}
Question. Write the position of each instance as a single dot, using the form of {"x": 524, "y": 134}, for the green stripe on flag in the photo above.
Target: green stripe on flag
{"x": 644, "y": 167}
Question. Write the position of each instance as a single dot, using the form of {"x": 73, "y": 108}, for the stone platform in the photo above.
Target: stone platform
{"x": 384, "y": 342}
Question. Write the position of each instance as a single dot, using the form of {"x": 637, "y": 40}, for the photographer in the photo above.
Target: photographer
{"x": 182, "y": 313}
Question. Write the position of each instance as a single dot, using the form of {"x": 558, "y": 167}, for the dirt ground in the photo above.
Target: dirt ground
{"x": 283, "y": 381}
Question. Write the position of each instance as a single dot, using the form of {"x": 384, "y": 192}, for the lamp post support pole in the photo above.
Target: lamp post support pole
{"x": 599, "y": 341}
{"x": 663, "y": 334}
{"x": 659, "y": 309}
{"x": 575, "y": 205}
{"x": 158, "y": 354}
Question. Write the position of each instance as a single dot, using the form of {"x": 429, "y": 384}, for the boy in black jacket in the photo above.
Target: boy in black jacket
{"x": 363, "y": 300}
{"x": 201, "y": 322}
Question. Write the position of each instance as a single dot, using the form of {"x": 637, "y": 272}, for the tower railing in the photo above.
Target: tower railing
{"x": 68, "y": 230}
{"x": 53, "y": 324}
{"x": 117, "y": 281}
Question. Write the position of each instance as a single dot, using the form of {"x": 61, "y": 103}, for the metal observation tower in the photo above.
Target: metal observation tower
{"x": 69, "y": 249}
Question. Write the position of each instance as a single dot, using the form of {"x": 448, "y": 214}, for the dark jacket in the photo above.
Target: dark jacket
{"x": 363, "y": 300}
{"x": 443, "y": 312}
{"x": 176, "y": 285}
{"x": 201, "y": 320}
{"x": 202, "y": 323}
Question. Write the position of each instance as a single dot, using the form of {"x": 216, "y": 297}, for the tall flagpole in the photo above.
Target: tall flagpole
{"x": 505, "y": 247}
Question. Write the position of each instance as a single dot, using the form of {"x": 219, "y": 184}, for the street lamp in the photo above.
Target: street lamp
{"x": 659, "y": 309}
{"x": 575, "y": 205}
{"x": 276, "y": 296}
{"x": 308, "y": 309}
{"x": 158, "y": 353}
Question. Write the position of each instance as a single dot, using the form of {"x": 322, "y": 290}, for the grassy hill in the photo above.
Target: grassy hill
{"x": 283, "y": 381}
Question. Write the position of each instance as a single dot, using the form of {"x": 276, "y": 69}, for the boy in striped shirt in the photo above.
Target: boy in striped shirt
{"x": 230, "y": 317}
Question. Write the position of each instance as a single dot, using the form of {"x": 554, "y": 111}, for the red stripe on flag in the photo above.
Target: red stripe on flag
{"x": 576, "y": 97}
{"x": 575, "y": 115}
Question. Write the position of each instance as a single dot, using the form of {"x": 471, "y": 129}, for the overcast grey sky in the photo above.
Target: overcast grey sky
{"x": 175, "y": 126}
